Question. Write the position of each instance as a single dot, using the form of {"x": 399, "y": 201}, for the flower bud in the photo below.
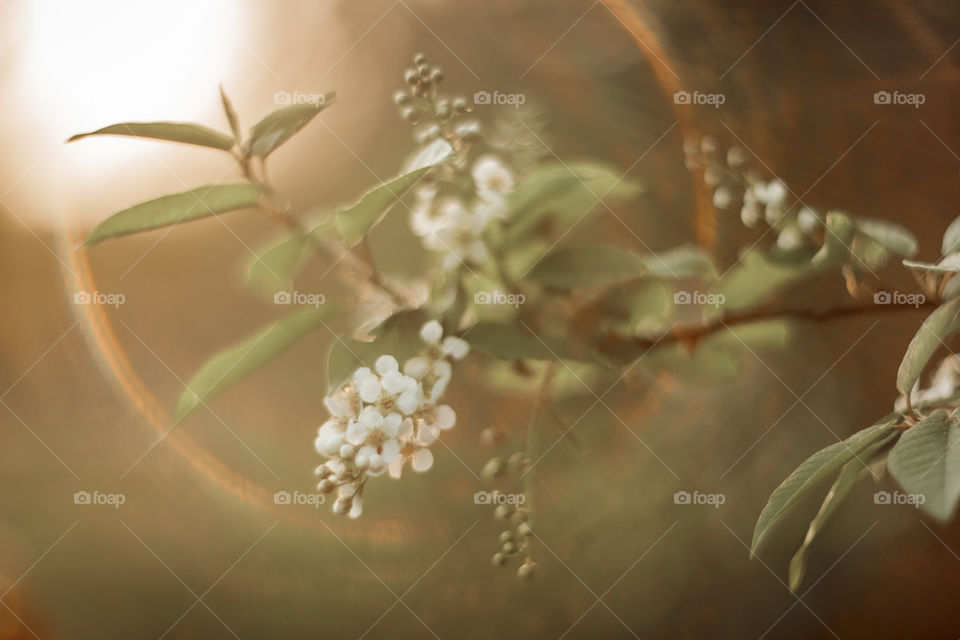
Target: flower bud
{"x": 518, "y": 462}
{"x": 347, "y": 451}
{"x": 527, "y": 570}
{"x": 506, "y": 535}
{"x": 410, "y": 115}
{"x": 509, "y": 547}
{"x": 342, "y": 505}
{"x": 410, "y": 76}
{"x": 436, "y": 75}
{"x": 498, "y": 559}
{"x": 419, "y": 58}
{"x": 401, "y": 97}
{"x": 423, "y": 71}
{"x": 520, "y": 515}
{"x": 459, "y": 104}
{"x": 524, "y": 530}
{"x": 326, "y": 486}
{"x": 502, "y": 511}
{"x": 494, "y": 468}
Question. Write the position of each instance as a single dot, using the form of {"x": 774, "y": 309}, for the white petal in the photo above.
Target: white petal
{"x": 446, "y": 417}
{"x": 442, "y": 369}
{"x": 391, "y": 424}
{"x": 408, "y": 403}
{"x": 331, "y": 446}
{"x": 356, "y": 508}
{"x": 327, "y": 429}
{"x": 438, "y": 388}
{"x": 431, "y": 332}
{"x": 422, "y": 460}
{"x": 396, "y": 468}
{"x": 455, "y": 347}
{"x": 369, "y": 389}
{"x": 357, "y": 432}
{"x": 390, "y": 450}
{"x": 406, "y": 429}
{"x": 427, "y": 435}
{"x": 394, "y": 382}
{"x": 386, "y": 364}
{"x": 362, "y": 373}
{"x": 371, "y": 418}
{"x": 337, "y": 407}
{"x": 416, "y": 367}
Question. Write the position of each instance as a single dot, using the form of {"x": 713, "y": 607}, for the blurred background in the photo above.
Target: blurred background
{"x": 199, "y": 549}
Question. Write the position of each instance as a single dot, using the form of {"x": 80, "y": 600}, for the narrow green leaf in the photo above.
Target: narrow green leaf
{"x": 849, "y": 474}
{"x": 275, "y": 267}
{"x": 757, "y": 277}
{"x": 926, "y": 462}
{"x": 231, "y": 114}
{"x": 836, "y": 241}
{"x": 587, "y": 266}
{"x": 279, "y": 126}
{"x": 892, "y": 237}
{"x": 229, "y": 366}
{"x": 185, "y": 132}
{"x": 173, "y": 209}
{"x": 509, "y": 342}
{"x": 566, "y": 193}
{"x": 357, "y": 219}
{"x": 811, "y": 473}
{"x": 951, "y": 238}
{"x": 686, "y": 261}
{"x": 935, "y": 329}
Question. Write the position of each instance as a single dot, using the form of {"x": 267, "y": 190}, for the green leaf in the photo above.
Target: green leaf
{"x": 926, "y": 462}
{"x": 934, "y": 330}
{"x": 892, "y": 237}
{"x": 231, "y": 114}
{"x": 587, "y": 266}
{"x": 757, "y": 277}
{"x": 849, "y": 474}
{"x": 231, "y": 365}
{"x": 811, "y": 473}
{"x": 509, "y": 342}
{"x": 274, "y": 268}
{"x": 398, "y": 335}
{"x": 356, "y": 220}
{"x": 279, "y": 126}
{"x": 567, "y": 192}
{"x": 186, "y": 132}
{"x": 951, "y": 238}
{"x": 686, "y": 261}
{"x": 173, "y": 209}
{"x": 836, "y": 241}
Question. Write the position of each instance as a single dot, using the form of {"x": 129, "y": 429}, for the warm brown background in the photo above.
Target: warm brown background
{"x": 801, "y": 98}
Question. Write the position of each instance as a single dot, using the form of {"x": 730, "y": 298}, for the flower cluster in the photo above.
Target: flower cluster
{"x": 385, "y": 417}
{"x": 760, "y": 199}
{"x": 455, "y": 228}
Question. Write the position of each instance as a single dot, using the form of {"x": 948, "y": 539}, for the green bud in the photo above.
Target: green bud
{"x": 506, "y": 536}
{"x": 498, "y": 559}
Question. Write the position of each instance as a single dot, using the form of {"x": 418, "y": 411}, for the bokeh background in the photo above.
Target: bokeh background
{"x": 200, "y": 550}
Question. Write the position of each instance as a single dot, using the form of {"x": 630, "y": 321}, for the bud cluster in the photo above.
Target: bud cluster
{"x": 732, "y": 181}
{"x": 516, "y": 540}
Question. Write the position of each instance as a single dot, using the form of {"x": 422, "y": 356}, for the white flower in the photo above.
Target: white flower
{"x": 492, "y": 176}
{"x": 418, "y": 367}
{"x": 421, "y": 460}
